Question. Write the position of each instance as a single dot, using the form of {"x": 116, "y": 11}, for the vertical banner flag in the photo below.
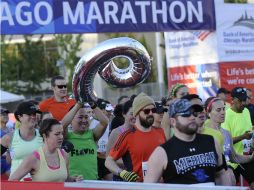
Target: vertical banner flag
{"x": 235, "y": 31}
{"x": 192, "y": 60}
{"x": 95, "y": 16}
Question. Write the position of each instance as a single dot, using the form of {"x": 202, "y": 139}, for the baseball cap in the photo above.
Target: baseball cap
{"x": 4, "y": 110}
{"x": 239, "y": 93}
{"x": 159, "y": 107}
{"x": 109, "y": 107}
{"x": 223, "y": 90}
{"x": 27, "y": 108}
{"x": 181, "y": 106}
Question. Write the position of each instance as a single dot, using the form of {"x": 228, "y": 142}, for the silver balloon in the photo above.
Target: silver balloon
{"x": 101, "y": 59}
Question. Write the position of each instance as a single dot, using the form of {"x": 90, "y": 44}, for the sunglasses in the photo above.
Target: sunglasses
{"x": 188, "y": 114}
{"x": 241, "y": 90}
{"x": 147, "y": 111}
{"x": 61, "y": 86}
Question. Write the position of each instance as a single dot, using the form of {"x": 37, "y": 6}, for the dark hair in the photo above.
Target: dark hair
{"x": 118, "y": 111}
{"x": 46, "y": 126}
{"x": 191, "y": 97}
{"x": 133, "y": 96}
{"x": 121, "y": 98}
{"x": 58, "y": 77}
{"x": 126, "y": 106}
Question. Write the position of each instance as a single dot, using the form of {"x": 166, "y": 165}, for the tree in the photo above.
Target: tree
{"x": 25, "y": 66}
{"x": 68, "y": 46}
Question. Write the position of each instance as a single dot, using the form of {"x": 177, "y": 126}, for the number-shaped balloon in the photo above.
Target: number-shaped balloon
{"x": 100, "y": 59}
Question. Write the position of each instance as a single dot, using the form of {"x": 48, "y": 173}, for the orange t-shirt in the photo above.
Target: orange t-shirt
{"x": 136, "y": 147}
{"x": 57, "y": 109}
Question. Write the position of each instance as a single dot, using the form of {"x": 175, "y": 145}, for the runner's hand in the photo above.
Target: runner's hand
{"x": 129, "y": 176}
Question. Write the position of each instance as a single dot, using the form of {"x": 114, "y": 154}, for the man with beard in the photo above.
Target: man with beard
{"x": 136, "y": 144}
{"x": 59, "y": 104}
{"x": 188, "y": 157}
{"x": 238, "y": 123}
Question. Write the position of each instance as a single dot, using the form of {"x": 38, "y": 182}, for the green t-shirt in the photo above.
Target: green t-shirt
{"x": 217, "y": 135}
{"x": 237, "y": 124}
{"x": 83, "y": 158}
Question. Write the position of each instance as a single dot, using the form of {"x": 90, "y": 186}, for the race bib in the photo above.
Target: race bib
{"x": 144, "y": 168}
{"x": 246, "y": 146}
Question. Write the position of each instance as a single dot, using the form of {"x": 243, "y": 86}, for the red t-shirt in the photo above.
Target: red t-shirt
{"x": 57, "y": 109}
{"x": 138, "y": 146}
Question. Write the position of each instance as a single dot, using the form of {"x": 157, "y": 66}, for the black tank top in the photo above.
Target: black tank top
{"x": 190, "y": 162}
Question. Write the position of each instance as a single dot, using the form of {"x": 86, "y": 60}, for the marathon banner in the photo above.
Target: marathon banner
{"x": 91, "y": 16}
{"x": 235, "y": 31}
{"x": 190, "y": 47}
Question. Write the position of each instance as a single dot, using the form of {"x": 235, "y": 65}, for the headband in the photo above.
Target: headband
{"x": 211, "y": 102}
{"x": 175, "y": 88}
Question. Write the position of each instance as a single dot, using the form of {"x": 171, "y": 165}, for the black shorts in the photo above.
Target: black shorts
{"x": 246, "y": 170}
{"x": 102, "y": 170}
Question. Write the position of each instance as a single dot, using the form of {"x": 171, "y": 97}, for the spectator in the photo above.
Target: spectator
{"x": 129, "y": 121}
{"x": 158, "y": 115}
{"x": 103, "y": 172}
{"x": 137, "y": 143}
{"x": 216, "y": 110}
{"x": 122, "y": 99}
{"x": 238, "y": 123}
{"x": 118, "y": 118}
{"x": 196, "y": 100}
{"x": 59, "y": 104}
{"x": 5, "y": 166}
{"x": 223, "y": 93}
{"x": 184, "y": 166}
{"x": 179, "y": 90}
{"x": 24, "y": 140}
{"x": 83, "y": 157}
{"x": 49, "y": 163}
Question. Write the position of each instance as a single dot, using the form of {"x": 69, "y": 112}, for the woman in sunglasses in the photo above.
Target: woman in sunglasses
{"x": 215, "y": 108}
{"x": 48, "y": 163}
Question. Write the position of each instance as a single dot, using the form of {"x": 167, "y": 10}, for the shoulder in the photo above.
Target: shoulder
{"x": 115, "y": 132}
{"x": 204, "y": 136}
{"x": 48, "y": 100}
{"x": 45, "y": 102}
{"x": 6, "y": 139}
{"x": 64, "y": 154}
{"x": 124, "y": 137}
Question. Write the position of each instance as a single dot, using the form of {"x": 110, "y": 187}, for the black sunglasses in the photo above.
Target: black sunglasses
{"x": 61, "y": 86}
{"x": 188, "y": 114}
{"x": 147, "y": 111}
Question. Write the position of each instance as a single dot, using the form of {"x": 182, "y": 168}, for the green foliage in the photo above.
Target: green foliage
{"x": 68, "y": 46}
{"x": 24, "y": 66}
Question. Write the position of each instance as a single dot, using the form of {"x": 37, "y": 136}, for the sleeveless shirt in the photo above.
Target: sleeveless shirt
{"x": 190, "y": 162}
{"x": 45, "y": 173}
{"x": 21, "y": 148}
